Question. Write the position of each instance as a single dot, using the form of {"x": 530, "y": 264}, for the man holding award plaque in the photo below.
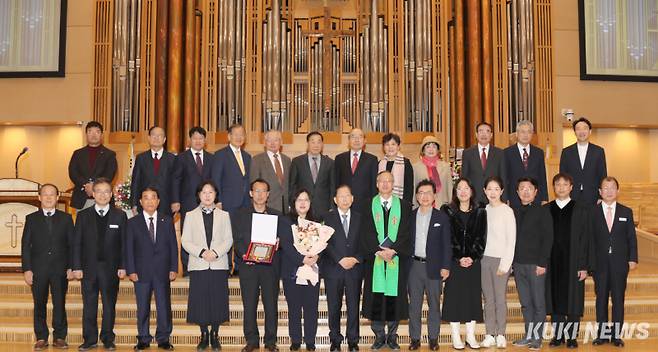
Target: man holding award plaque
{"x": 256, "y": 232}
{"x": 386, "y": 249}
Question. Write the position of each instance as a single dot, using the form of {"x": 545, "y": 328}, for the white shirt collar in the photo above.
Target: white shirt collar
{"x": 562, "y": 203}
{"x": 194, "y": 151}
{"x": 389, "y": 201}
{"x": 234, "y": 149}
{"x": 160, "y": 152}
{"x": 340, "y": 213}
{"x": 605, "y": 207}
{"x": 486, "y": 147}
{"x": 147, "y": 216}
{"x": 527, "y": 148}
{"x": 271, "y": 154}
{"x": 358, "y": 152}
{"x": 105, "y": 209}
{"x": 51, "y": 211}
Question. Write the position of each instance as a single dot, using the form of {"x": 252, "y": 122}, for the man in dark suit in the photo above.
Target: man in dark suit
{"x": 151, "y": 263}
{"x": 525, "y": 160}
{"x": 89, "y": 163}
{"x": 258, "y": 279}
{"x": 482, "y": 161}
{"x": 46, "y": 263}
{"x": 273, "y": 167}
{"x": 342, "y": 269}
{"x": 430, "y": 265}
{"x": 314, "y": 172}
{"x": 357, "y": 169}
{"x": 98, "y": 245}
{"x": 585, "y": 162}
{"x": 192, "y": 167}
{"x": 153, "y": 167}
{"x": 615, "y": 246}
{"x": 230, "y": 171}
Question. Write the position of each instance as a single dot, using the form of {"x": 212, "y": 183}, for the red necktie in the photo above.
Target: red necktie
{"x": 156, "y": 163}
{"x": 525, "y": 159}
{"x": 199, "y": 164}
{"x": 483, "y": 159}
{"x": 355, "y": 162}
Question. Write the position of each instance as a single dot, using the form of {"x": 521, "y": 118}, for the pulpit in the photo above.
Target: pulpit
{"x": 18, "y": 198}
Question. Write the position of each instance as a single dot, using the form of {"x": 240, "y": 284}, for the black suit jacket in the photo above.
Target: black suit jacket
{"x": 44, "y": 252}
{"x": 80, "y": 173}
{"x": 364, "y": 180}
{"x": 621, "y": 242}
{"x": 85, "y": 243}
{"x": 515, "y": 171}
{"x": 241, "y": 226}
{"x": 144, "y": 176}
{"x": 472, "y": 169}
{"x": 148, "y": 260}
{"x": 587, "y": 178}
{"x": 187, "y": 179}
{"x": 291, "y": 259}
{"x": 324, "y": 188}
{"x": 341, "y": 246}
{"x": 438, "y": 249}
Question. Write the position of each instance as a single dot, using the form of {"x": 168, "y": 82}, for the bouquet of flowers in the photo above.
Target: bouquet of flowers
{"x": 310, "y": 238}
{"x": 122, "y": 195}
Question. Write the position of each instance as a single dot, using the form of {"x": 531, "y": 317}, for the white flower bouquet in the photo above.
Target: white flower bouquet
{"x": 310, "y": 239}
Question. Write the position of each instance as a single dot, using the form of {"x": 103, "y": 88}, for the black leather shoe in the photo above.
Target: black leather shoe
{"x": 618, "y": 342}
{"x": 166, "y": 346}
{"x": 87, "y": 346}
{"x": 295, "y": 346}
{"x": 434, "y": 344}
{"x": 334, "y": 347}
{"x": 109, "y": 346}
{"x": 250, "y": 348}
{"x": 414, "y": 345}
{"x": 599, "y": 341}
{"x": 140, "y": 346}
{"x": 214, "y": 341}
{"x": 572, "y": 343}
{"x": 310, "y": 347}
{"x": 379, "y": 343}
{"x": 393, "y": 343}
{"x": 204, "y": 341}
{"x": 353, "y": 346}
{"x": 272, "y": 348}
{"x": 555, "y": 343}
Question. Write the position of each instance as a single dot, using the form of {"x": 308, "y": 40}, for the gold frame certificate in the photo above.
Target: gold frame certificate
{"x": 263, "y": 238}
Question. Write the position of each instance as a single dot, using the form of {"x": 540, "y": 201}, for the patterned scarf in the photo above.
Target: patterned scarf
{"x": 397, "y": 171}
{"x": 432, "y": 172}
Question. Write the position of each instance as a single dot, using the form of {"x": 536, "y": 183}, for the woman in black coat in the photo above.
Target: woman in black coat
{"x": 462, "y": 300}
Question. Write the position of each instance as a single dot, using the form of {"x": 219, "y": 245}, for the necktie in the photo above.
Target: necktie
{"x": 385, "y": 205}
{"x": 101, "y": 212}
{"x": 346, "y": 227}
{"x": 525, "y": 159}
{"x": 277, "y": 169}
{"x": 152, "y": 229}
{"x": 608, "y": 219}
{"x": 315, "y": 169}
{"x": 483, "y": 159}
{"x": 238, "y": 158}
{"x": 199, "y": 164}
{"x": 355, "y": 162}
{"x": 156, "y": 163}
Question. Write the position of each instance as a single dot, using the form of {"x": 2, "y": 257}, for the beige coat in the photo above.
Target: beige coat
{"x": 194, "y": 239}
{"x": 443, "y": 196}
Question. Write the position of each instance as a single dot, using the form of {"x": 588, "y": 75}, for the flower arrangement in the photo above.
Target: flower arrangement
{"x": 310, "y": 238}
{"x": 122, "y": 195}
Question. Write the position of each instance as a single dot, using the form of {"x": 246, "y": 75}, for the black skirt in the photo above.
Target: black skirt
{"x": 462, "y": 294}
{"x": 207, "y": 302}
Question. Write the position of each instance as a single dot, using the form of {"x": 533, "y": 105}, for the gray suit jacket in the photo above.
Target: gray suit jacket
{"x": 472, "y": 169}
{"x": 261, "y": 167}
{"x": 323, "y": 190}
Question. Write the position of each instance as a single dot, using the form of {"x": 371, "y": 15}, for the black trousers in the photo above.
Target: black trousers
{"x": 565, "y": 327}
{"x": 350, "y": 286}
{"x": 610, "y": 282}
{"x": 302, "y": 300}
{"x": 107, "y": 283}
{"x": 58, "y": 285}
{"x": 143, "y": 292}
{"x": 263, "y": 280}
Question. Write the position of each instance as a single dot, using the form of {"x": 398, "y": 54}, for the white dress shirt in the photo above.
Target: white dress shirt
{"x": 389, "y": 201}
{"x": 562, "y": 203}
{"x": 486, "y": 150}
{"x": 155, "y": 222}
{"x": 349, "y": 217}
{"x": 235, "y": 152}
{"x": 273, "y": 160}
{"x": 105, "y": 209}
{"x": 582, "y": 153}
{"x": 161, "y": 151}
{"x": 46, "y": 211}
{"x": 194, "y": 154}
{"x": 358, "y": 153}
{"x": 605, "y": 209}
{"x": 527, "y": 148}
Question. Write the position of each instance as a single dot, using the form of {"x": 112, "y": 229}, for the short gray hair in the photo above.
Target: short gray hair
{"x": 525, "y": 123}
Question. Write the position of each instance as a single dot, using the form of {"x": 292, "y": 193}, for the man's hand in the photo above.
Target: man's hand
{"x": 310, "y": 260}
{"x": 78, "y": 274}
{"x": 121, "y": 273}
{"x": 133, "y": 277}
{"x": 444, "y": 274}
{"x": 540, "y": 271}
{"x": 582, "y": 275}
{"x": 175, "y": 207}
{"x": 28, "y": 276}
{"x": 632, "y": 265}
{"x": 172, "y": 275}
{"x": 89, "y": 189}
{"x": 465, "y": 262}
{"x": 348, "y": 262}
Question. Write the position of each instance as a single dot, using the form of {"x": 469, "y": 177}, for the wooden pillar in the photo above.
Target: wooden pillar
{"x": 487, "y": 63}
{"x": 460, "y": 76}
{"x": 474, "y": 80}
{"x": 174, "y": 79}
{"x": 189, "y": 82}
{"x": 162, "y": 23}
{"x": 196, "y": 115}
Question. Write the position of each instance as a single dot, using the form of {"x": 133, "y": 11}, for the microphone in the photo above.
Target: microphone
{"x": 25, "y": 149}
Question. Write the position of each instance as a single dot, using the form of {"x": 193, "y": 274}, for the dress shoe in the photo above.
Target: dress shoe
{"x": 60, "y": 344}
{"x": 618, "y": 342}
{"x": 434, "y": 344}
{"x": 392, "y": 343}
{"x": 272, "y": 347}
{"x": 522, "y": 342}
{"x": 250, "y": 348}
{"x": 379, "y": 343}
{"x": 555, "y": 343}
{"x": 414, "y": 345}
{"x": 335, "y": 347}
{"x": 87, "y": 346}
{"x": 310, "y": 347}
{"x": 214, "y": 341}
{"x": 353, "y": 346}
{"x": 295, "y": 346}
{"x": 599, "y": 341}
{"x": 166, "y": 346}
{"x": 140, "y": 346}
{"x": 535, "y": 345}
{"x": 572, "y": 343}
{"x": 109, "y": 346}
{"x": 204, "y": 341}
{"x": 40, "y": 345}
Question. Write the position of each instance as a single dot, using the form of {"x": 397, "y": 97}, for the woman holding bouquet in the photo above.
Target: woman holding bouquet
{"x": 300, "y": 298}
{"x": 207, "y": 236}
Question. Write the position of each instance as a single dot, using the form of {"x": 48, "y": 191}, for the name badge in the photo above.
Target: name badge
{"x": 622, "y": 219}
{"x": 437, "y": 225}
{"x": 114, "y": 226}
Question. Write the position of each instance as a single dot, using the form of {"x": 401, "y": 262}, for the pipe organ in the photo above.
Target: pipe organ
{"x": 521, "y": 60}
{"x": 418, "y": 65}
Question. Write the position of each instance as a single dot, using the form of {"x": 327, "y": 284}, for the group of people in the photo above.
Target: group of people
{"x": 403, "y": 231}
